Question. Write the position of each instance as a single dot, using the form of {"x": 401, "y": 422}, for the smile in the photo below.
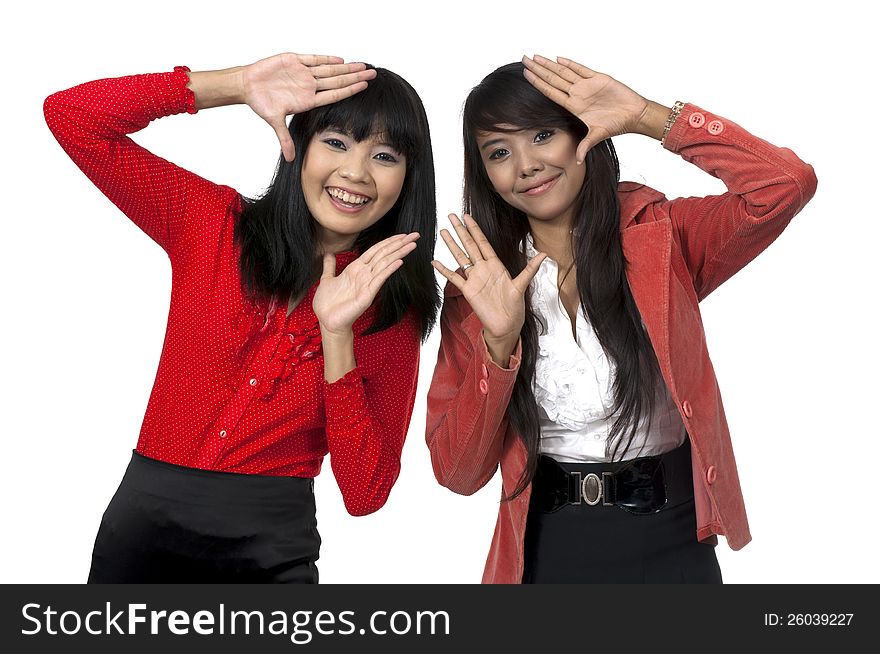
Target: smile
{"x": 345, "y": 200}
{"x": 542, "y": 187}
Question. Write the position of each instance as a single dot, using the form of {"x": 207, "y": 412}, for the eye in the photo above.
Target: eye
{"x": 386, "y": 157}
{"x": 335, "y": 143}
{"x": 498, "y": 154}
{"x": 543, "y": 135}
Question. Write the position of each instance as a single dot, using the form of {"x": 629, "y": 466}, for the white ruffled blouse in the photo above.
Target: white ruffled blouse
{"x": 574, "y": 381}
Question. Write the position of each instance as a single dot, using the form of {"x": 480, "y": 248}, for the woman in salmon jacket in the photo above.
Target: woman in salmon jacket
{"x": 295, "y": 319}
{"x": 572, "y": 350}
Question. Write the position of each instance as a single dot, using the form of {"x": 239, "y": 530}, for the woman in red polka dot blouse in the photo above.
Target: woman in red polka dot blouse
{"x": 295, "y": 320}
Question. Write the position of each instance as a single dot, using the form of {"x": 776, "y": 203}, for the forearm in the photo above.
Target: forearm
{"x": 367, "y": 422}
{"x": 217, "y": 88}
{"x": 338, "y": 355}
{"x": 766, "y": 185}
{"x": 467, "y": 402}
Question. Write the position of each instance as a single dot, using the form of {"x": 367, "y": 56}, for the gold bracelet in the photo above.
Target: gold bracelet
{"x": 676, "y": 109}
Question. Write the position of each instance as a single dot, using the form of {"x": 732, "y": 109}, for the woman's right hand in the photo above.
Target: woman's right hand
{"x": 497, "y": 299}
{"x": 289, "y": 83}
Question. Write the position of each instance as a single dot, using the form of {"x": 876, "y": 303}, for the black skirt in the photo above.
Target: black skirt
{"x": 605, "y": 544}
{"x": 172, "y": 524}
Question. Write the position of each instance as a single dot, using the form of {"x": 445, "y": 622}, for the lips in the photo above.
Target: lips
{"x": 541, "y": 186}
{"x": 346, "y": 200}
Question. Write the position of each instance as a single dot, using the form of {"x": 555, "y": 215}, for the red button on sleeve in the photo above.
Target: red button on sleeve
{"x": 697, "y": 119}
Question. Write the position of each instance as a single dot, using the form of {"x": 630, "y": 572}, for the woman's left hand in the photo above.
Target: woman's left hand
{"x": 607, "y": 107}
{"x": 340, "y": 300}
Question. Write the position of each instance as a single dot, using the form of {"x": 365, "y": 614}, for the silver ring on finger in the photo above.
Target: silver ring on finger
{"x": 467, "y": 265}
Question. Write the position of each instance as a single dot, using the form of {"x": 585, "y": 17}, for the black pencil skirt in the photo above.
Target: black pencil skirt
{"x": 605, "y": 544}
{"x": 172, "y": 524}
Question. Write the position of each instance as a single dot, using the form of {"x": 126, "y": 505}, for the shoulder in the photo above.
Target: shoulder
{"x": 635, "y": 200}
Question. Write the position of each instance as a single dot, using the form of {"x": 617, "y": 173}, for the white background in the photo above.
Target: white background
{"x": 85, "y": 293}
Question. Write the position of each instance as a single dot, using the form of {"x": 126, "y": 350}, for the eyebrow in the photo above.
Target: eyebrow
{"x": 491, "y": 142}
{"x": 342, "y": 132}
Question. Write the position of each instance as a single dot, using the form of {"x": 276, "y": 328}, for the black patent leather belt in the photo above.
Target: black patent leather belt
{"x": 641, "y": 486}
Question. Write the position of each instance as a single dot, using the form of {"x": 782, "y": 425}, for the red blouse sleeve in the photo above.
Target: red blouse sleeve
{"x": 368, "y": 418}
{"x": 91, "y": 122}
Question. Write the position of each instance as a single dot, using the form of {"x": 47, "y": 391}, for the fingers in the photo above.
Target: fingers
{"x": 329, "y": 270}
{"x": 384, "y": 266}
{"x": 580, "y": 69}
{"x": 283, "y": 134}
{"x": 332, "y": 70}
{"x": 335, "y": 95}
{"x": 482, "y": 242}
{"x": 367, "y": 257}
{"x": 377, "y": 281}
{"x": 551, "y": 92}
{"x": 470, "y": 245}
{"x": 318, "y": 60}
{"x": 460, "y": 256}
{"x": 380, "y": 264}
{"x": 523, "y": 280}
{"x": 548, "y": 71}
{"x": 584, "y": 147}
{"x": 393, "y": 249}
{"x": 340, "y": 81}
{"x": 454, "y": 278}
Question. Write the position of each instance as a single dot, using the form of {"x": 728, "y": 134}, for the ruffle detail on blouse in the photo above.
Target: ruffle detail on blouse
{"x": 252, "y": 322}
{"x": 571, "y": 386}
{"x": 253, "y": 318}
{"x": 294, "y": 348}
{"x": 560, "y": 390}
{"x": 189, "y": 97}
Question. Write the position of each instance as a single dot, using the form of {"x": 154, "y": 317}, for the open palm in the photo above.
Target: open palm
{"x": 288, "y": 83}
{"x": 607, "y": 107}
{"x": 341, "y": 299}
{"x": 496, "y": 298}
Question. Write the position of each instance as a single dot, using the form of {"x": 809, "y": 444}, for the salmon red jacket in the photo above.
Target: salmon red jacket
{"x": 677, "y": 252}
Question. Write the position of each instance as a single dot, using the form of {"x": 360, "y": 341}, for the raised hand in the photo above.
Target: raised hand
{"x": 607, "y": 107}
{"x": 497, "y": 299}
{"x": 340, "y": 300}
{"x": 290, "y": 83}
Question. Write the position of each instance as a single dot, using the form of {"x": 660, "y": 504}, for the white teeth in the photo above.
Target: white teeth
{"x": 346, "y": 197}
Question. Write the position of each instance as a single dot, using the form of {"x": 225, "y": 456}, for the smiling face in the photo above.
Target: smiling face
{"x": 533, "y": 170}
{"x": 349, "y": 185}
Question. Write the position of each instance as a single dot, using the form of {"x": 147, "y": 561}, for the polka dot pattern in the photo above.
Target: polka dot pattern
{"x": 240, "y": 384}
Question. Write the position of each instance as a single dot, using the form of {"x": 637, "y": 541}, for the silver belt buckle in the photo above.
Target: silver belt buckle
{"x": 593, "y": 489}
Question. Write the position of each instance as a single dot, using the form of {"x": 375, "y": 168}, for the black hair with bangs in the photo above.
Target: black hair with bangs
{"x": 506, "y": 101}
{"x": 278, "y": 235}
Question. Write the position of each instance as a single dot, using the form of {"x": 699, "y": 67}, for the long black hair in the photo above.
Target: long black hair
{"x": 506, "y": 98}
{"x": 278, "y": 235}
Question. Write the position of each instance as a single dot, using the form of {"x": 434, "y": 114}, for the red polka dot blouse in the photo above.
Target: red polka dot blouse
{"x": 240, "y": 385}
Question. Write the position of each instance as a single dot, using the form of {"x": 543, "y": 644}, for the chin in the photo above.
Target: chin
{"x": 545, "y": 213}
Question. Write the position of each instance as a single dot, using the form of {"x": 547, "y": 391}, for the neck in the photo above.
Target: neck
{"x": 554, "y": 238}
{"x": 330, "y": 242}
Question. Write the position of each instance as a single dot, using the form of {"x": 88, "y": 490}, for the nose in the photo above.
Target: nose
{"x": 529, "y": 165}
{"x": 354, "y": 168}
